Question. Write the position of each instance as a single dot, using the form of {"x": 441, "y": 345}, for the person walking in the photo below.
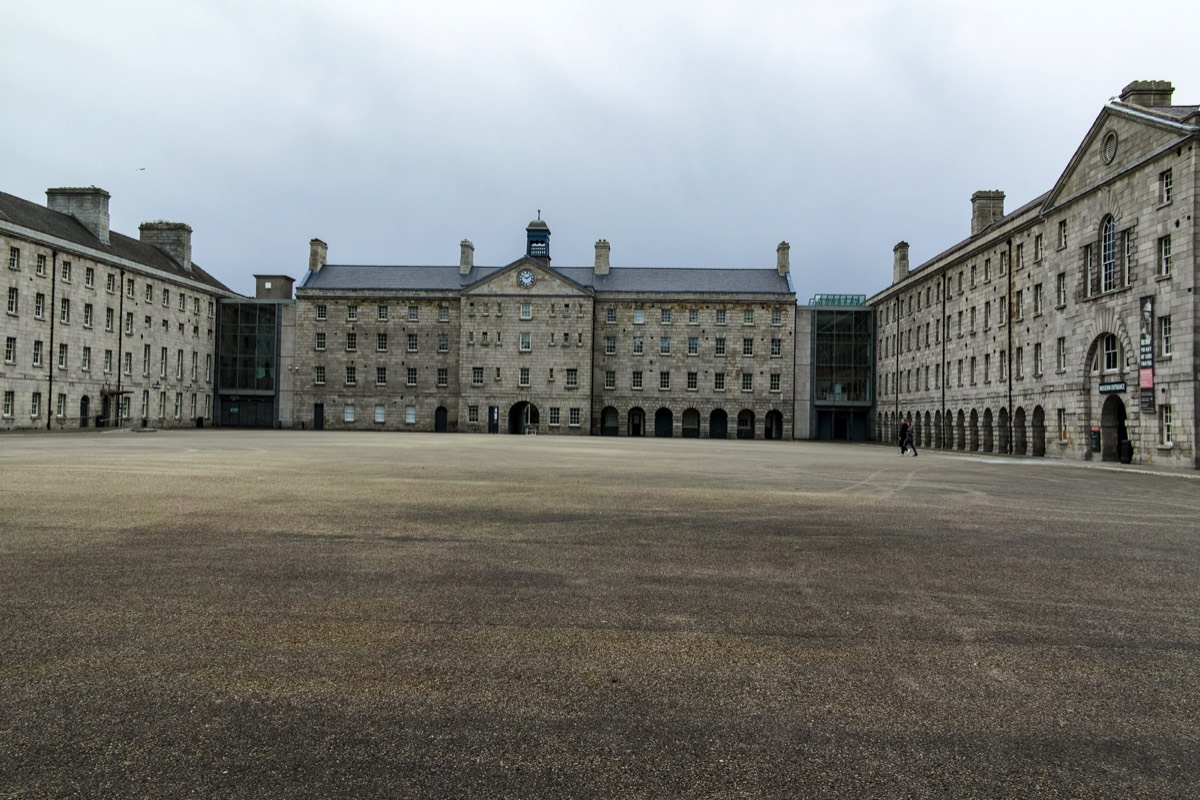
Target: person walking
{"x": 905, "y": 433}
{"x": 910, "y": 440}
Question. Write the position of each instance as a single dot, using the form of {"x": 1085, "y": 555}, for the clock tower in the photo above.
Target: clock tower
{"x": 537, "y": 239}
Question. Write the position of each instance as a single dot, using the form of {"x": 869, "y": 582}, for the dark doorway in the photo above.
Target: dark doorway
{"x": 84, "y": 402}
{"x": 691, "y": 424}
{"x": 718, "y": 424}
{"x": 745, "y": 424}
{"x": 610, "y": 422}
{"x": 664, "y": 421}
{"x": 1019, "y": 441}
{"x": 1112, "y": 428}
{"x": 1039, "y": 431}
{"x": 523, "y": 418}
{"x": 774, "y": 426}
{"x": 440, "y": 420}
{"x": 105, "y": 411}
{"x": 493, "y": 419}
{"x": 637, "y": 422}
{"x": 318, "y": 416}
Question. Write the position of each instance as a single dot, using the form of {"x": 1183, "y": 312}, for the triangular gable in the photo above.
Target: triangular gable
{"x": 547, "y": 281}
{"x": 1140, "y": 134}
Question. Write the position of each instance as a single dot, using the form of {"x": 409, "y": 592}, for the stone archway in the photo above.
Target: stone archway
{"x": 960, "y": 433}
{"x": 523, "y": 418}
{"x": 691, "y": 424}
{"x": 718, "y": 424}
{"x": 1002, "y": 424}
{"x": 637, "y": 422}
{"x": 1112, "y": 427}
{"x": 610, "y": 422}
{"x": 987, "y": 431}
{"x": 974, "y": 440}
{"x": 1039, "y": 432}
{"x": 1020, "y": 444}
{"x": 664, "y": 423}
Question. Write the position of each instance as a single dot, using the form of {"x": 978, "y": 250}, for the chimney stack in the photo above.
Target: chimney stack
{"x": 986, "y": 207}
{"x": 318, "y": 252}
{"x": 602, "y": 250}
{"x": 899, "y": 262}
{"x": 1148, "y": 94}
{"x": 466, "y": 257}
{"x": 173, "y": 238}
{"x": 783, "y": 261}
{"x": 87, "y": 204}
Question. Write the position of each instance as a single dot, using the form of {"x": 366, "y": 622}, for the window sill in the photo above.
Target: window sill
{"x": 1160, "y": 277}
{"x": 1165, "y": 448}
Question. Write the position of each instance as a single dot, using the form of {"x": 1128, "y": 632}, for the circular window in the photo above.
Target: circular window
{"x": 1110, "y": 147}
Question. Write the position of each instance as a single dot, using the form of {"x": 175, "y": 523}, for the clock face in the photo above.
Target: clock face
{"x": 526, "y": 278}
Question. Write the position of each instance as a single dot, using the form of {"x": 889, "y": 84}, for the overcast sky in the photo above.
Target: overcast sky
{"x": 686, "y": 133}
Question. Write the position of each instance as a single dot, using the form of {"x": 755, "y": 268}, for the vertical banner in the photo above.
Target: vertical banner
{"x": 1146, "y": 356}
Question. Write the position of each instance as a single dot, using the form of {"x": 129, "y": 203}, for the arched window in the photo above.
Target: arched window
{"x": 1108, "y": 254}
{"x": 1112, "y": 353}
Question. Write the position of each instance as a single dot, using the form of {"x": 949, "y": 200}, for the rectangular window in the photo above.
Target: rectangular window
{"x": 1060, "y": 354}
{"x": 410, "y": 375}
{"x": 1003, "y": 366}
{"x": 66, "y": 272}
{"x": 639, "y": 316}
{"x": 666, "y": 316}
{"x": 412, "y": 342}
{"x": 86, "y": 363}
{"x": 381, "y": 341}
{"x": 610, "y": 345}
{"x": 1020, "y": 255}
{"x": 1164, "y": 337}
{"x": 664, "y": 380}
{"x": 972, "y": 371}
{"x": 351, "y": 313}
{"x": 14, "y": 258}
{"x": 1062, "y": 424}
{"x": 693, "y": 346}
{"x": 37, "y": 356}
{"x": 1164, "y": 255}
{"x": 1165, "y": 181}
{"x": 664, "y": 345}
{"x": 776, "y": 380}
{"x": 638, "y": 345}
{"x": 636, "y": 379}
{"x": 10, "y": 350}
{"x": 720, "y": 316}
{"x": 166, "y": 297}
{"x": 1003, "y": 306}
{"x": 693, "y": 316}
{"x": 127, "y": 365}
{"x": 319, "y": 375}
{"x": 1060, "y": 289}
{"x": 444, "y": 342}
{"x": 179, "y": 365}
{"x": 777, "y": 315}
{"x": 1062, "y": 234}
{"x": 348, "y": 412}
{"x": 1166, "y": 434}
{"x": 523, "y": 376}
{"x": 62, "y": 356}
{"x": 572, "y": 377}
{"x": 35, "y": 404}
{"x": 319, "y": 344}
{"x": 60, "y": 406}
{"x": 747, "y": 347}
{"x": 610, "y": 379}
{"x": 610, "y": 315}
{"x": 747, "y": 381}
{"x": 1038, "y": 247}
{"x": 87, "y": 315}
{"x": 14, "y": 300}
{"x": 574, "y": 417}
{"x": 748, "y": 316}
{"x": 380, "y": 411}
{"x": 1037, "y": 300}
{"x": 322, "y": 311}
{"x": 525, "y": 341}
{"x": 555, "y": 416}
{"x": 9, "y": 403}
{"x": 1019, "y": 308}
{"x": 693, "y": 381}
{"x": 443, "y": 376}
{"x": 473, "y": 415}
{"x": 89, "y": 277}
{"x": 39, "y": 306}
{"x": 719, "y": 381}
{"x": 149, "y": 292}
{"x": 444, "y": 314}
{"x": 351, "y": 341}
{"x": 107, "y": 360}
{"x": 351, "y": 376}
{"x": 381, "y": 376}
{"x": 526, "y": 311}
{"x": 1037, "y": 358}
{"x": 719, "y": 346}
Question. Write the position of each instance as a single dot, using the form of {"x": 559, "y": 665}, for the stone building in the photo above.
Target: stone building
{"x": 1066, "y": 328}
{"x": 100, "y": 328}
{"x": 531, "y": 347}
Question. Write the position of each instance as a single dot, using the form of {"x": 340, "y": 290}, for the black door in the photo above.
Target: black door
{"x": 440, "y": 420}
{"x": 318, "y": 416}
{"x": 84, "y": 402}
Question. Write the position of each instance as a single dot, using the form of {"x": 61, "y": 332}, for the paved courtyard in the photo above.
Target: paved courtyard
{"x": 322, "y": 615}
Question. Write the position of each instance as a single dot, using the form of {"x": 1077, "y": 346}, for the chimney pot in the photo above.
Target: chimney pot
{"x": 173, "y": 238}
{"x": 987, "y": 207}
{"x": 466, "y": 257}
{"x": 899, "y": 262}
{"x": 783, "y": 258}
{"x": 318, "y": 253}
{"x": 1148, "y": 94}
{"x": 87, "y": 204}
{"x": 602, "y": 252}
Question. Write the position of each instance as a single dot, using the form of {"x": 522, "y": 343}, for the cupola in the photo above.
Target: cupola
{"x": 537, "y": 239}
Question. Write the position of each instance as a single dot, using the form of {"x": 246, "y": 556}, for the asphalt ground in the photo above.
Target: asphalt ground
{"x": 337, "y": 615}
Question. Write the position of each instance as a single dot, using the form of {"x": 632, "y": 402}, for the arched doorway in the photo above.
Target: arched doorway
{"x": 928, "y": 433}
{"x": 84, "y": 403}
{"x": 1019, "y": 441}
{"x": 691, "y": 424}
{"x": 610, "y": 422}
{"x": 745, "y": 424}
{"x": 974, "y": 430}
{"x": 1112, "y": 428}
{"x": 879, "y": 426}
{"x": 988, "y": 441}
{"x": 1003, "y": 426}
{"x": 523, "y": 418}
{"x": 718, "y": 424}
{"x": 960, "y": 435}
{"x": 937, "y": 429}
{"x": 1039, "y": 431}
{"x": 774, "y": 425}
{"x": 637, "y": 422}
{"x": 441, "y": 420}
{"x": 664, "y": 421}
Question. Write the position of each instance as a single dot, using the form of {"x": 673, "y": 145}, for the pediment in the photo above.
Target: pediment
{"x": 1119, "y": 140}
{"x": 514, "y": 280}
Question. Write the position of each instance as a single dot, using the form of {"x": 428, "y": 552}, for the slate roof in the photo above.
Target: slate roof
{"x": 63, "y": 226}
{"x": 645, "y": 280}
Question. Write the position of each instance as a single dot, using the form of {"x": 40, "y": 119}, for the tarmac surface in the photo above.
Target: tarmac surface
{"x": 274, "y": 614}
